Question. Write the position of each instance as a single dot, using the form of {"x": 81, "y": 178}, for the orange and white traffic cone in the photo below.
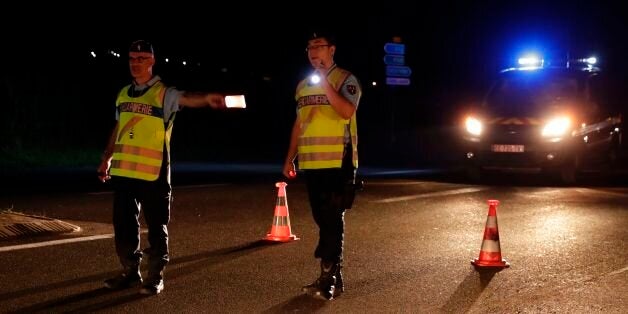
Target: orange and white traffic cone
{"x": 280, "y": 230}
{"x": 490, "y": 253}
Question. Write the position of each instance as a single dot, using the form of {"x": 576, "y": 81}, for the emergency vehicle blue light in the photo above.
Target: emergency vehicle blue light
{"x": 531, "y": 61}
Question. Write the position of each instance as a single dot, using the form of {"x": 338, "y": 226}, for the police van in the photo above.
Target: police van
{"x": 552, "y": 117}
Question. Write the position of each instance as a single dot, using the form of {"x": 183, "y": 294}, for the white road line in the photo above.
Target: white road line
{"x": 619, "y": 271}
{"x": 396, "y": 183}
{"x": 54, "y": 242}
{"x": 434, "y": 194}
{"x": 613, "y": 193}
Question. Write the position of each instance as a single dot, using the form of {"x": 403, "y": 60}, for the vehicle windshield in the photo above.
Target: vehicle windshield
{"x": 526, "y": 92}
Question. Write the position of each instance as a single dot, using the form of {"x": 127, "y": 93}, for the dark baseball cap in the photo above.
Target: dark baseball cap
{"x": 322, "y": 33}
{"x": 141, "y": 46}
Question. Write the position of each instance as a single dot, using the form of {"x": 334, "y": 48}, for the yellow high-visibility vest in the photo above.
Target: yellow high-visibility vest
{"x": 321, "y": 142}
{"x": 142, "y": 133}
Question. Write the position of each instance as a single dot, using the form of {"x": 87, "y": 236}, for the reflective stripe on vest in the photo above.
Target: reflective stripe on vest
{"x": 138, "y": 151}
{"x": 321, "y": 142}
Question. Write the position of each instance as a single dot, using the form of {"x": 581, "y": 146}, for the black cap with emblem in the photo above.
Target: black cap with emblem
{"x": 141, "y": 46}
{"x": 322, "y": 33}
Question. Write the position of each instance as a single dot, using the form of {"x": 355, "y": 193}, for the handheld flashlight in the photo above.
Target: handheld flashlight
{"x": 314, "y": 79}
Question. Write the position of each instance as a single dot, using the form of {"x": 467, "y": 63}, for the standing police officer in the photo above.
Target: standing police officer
{"x": 324, "y": 137}
{"x": 137, "y": 159}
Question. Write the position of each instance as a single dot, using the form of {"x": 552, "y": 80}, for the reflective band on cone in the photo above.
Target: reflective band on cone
{"x": 280, "y": 230}
{"x": 490, "y": 252}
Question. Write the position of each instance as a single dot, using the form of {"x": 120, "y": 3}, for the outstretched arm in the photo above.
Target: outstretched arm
{"x": 198, "y": 100}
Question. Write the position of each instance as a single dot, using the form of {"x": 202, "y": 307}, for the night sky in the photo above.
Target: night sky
{"x": 53, "y": 87}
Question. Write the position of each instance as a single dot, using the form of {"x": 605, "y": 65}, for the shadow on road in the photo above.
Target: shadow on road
{"x": 69, "y": 303}
{"x": 64, "y": 302}
{"x": 206, "y": 259}
{"x": 469, "y": 290}
{"x": 56, "y": 285}
{"x": 301, "y": 303}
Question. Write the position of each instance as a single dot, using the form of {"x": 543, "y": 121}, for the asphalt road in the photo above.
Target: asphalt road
{"x": 408, "y": 245}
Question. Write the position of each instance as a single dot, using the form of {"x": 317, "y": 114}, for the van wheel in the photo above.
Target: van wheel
{"x": 568, "y": 175}
{"x": 609, "y": 165}
{"x": 612, "y": 157}
{"x": 474, "y": 174}
{"x": 569, "y": 171}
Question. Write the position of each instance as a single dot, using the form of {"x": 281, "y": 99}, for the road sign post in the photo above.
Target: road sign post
{"x": 404, "y": 81}
{"x": 395, "y": 48}
{"x": 397, "y": 73}
{"x": 394, "y": 59}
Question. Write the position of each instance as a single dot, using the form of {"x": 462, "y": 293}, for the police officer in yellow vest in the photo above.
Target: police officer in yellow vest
{"x": 137, "y": 159}
{"x": 324, "y": 137}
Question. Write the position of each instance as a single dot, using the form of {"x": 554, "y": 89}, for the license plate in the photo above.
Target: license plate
{"x": 508, "y": 148}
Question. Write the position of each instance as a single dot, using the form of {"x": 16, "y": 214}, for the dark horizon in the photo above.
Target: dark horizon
{"x": 55, "y": 88}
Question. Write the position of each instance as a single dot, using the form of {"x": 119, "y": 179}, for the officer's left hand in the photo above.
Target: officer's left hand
{"x": 103, "y": 170}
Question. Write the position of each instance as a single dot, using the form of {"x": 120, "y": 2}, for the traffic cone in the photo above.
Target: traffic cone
{"x": 280, "y": 230}
{"x": 490, "y": 253}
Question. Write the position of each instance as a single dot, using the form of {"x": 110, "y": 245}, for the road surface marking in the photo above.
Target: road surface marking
{"x": 619, "y": 271}
{"x": 397, "y": 183}
{"x": 433, "y": 194}
{"x": 54, "y": 242}
{"x": 57, "y": 242}
{"x": 614, "y": 193}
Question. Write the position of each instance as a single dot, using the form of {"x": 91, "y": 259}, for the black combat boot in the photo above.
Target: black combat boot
{"x": 154, "y": 284}
{"x": 130, "y": 277}
{"x": 324, "y": 287}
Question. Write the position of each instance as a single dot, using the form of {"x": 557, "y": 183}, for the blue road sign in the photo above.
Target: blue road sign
{"x": 402, "y": 71}
{"x": 394, "y": 59}
{"x": 397, "y": 81}
{"x": 395, "y": 49}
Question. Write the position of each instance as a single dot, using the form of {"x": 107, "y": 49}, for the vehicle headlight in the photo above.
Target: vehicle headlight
{"x": 473, "y": 126}
{"x": 556, "y": 127}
